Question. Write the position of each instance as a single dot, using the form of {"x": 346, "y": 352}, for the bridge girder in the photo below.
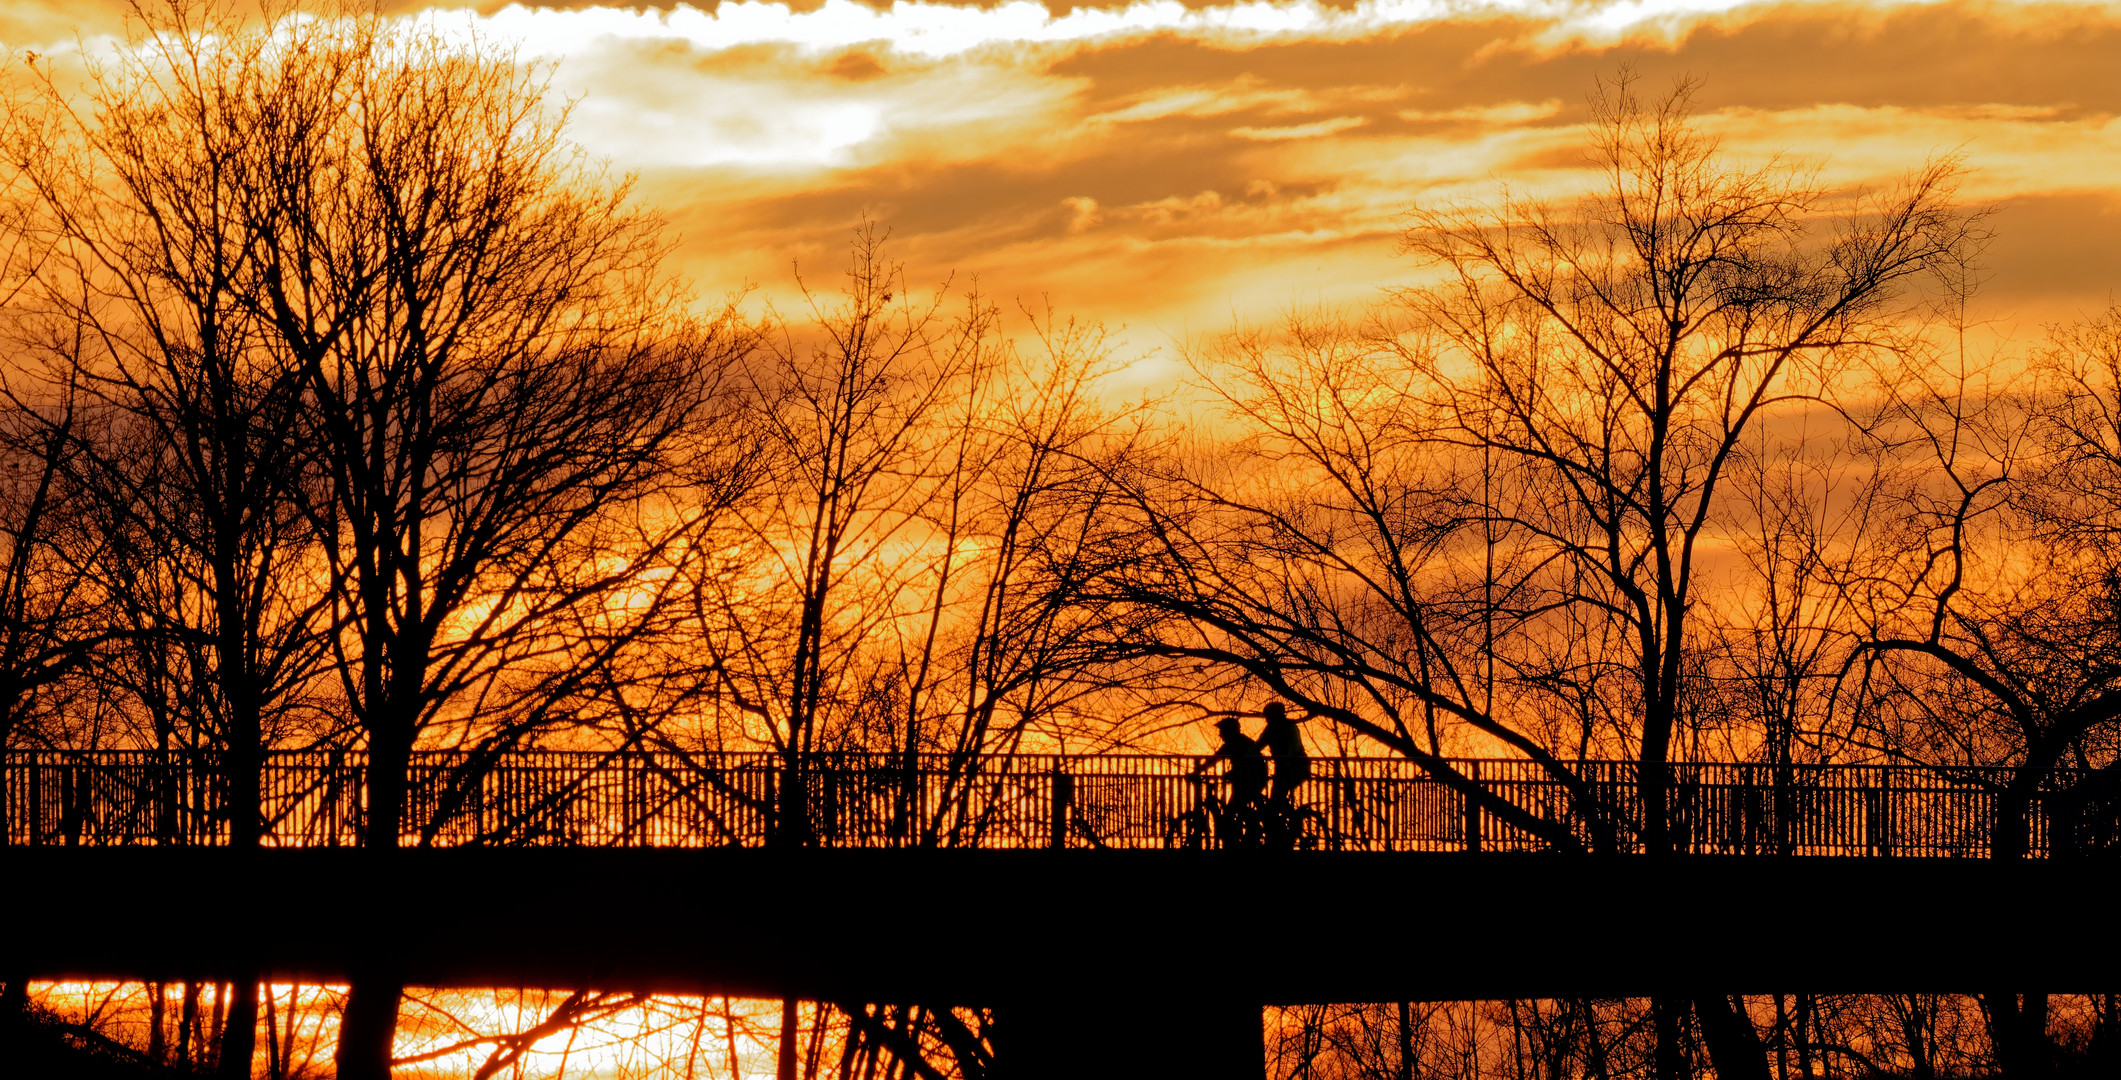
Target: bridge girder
{"x": 986, "y": 927}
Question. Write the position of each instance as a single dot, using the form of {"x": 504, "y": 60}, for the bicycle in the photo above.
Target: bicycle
{"x": 1285, "y": 826}
{"x": 1215, "y": 825}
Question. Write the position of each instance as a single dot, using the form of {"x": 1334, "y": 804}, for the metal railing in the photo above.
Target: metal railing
{"x": 667, "y": 799}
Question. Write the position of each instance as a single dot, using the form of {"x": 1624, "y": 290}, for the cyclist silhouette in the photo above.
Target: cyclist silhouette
{"x": 1292, "y": 766}
{"x": 1247, "y": 778}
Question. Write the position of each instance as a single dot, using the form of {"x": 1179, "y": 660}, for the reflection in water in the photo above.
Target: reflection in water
{"x": 449, "y": 1034}
{"x": 549, "y": 1035}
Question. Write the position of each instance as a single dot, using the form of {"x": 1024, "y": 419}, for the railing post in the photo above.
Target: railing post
{"x": 1063, "y": 801}
{"x": 70, "y": 809}
{"x": 775, "y": 833}
{"x": 1472, "y": 826}
{"x": 1749, "y": 809}
{"x": 826, "y": 832}
{"x": 923, "y": 806}
{"x": 36, "y": 802}
{"x": 1337, "y": 828}
{"x": 158, "y": 786}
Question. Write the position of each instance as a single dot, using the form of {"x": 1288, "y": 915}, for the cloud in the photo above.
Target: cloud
{"x": 772, "y": 109}
{"x": 1244, "y": 94}
{"x": 1312, "y": 130}
{"x": 1503, "y": 115}
{"x": 934, "y": 30}
{"x": 1082, "y": 213}
{"x": 1170, "y": 181}
{"x": 1166, "y": 164}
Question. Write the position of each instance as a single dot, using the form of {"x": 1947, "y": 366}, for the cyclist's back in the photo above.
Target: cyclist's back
{"x": 1292, "y": 764}
{"x": 1248, "y": 768}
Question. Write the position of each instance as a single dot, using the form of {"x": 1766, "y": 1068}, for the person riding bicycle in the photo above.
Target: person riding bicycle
{"x": 1247, "y": 775}
{"x": 1292, "y": 766}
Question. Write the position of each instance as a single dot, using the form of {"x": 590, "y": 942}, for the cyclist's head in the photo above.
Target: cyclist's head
{"x": 1229, "y": 725}
{"x": 1275, "y": 713}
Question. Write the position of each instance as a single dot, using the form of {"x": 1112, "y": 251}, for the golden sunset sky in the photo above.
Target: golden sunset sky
{"x": 1170, "y": 167}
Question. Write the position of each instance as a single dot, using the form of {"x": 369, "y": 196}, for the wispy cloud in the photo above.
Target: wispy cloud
{"x": 939, "y": 29}
{"x": 1166, "y": 165}
{"x": 1313, "y": 130}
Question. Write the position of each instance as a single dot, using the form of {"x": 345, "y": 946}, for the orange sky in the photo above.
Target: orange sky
{"x": 1166, "y": 166}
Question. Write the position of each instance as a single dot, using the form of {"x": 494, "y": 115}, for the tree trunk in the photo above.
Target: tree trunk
{"x": 729, "y": 1037}
{"x": 239, "y": 1031}
{"x": 219, "y": 1021}
{"x": 272, "y": 1035}
{"x": 389, "y": 759}
{"x": 2019, "y": 1034}
{"x": 2012, "y": 838}
{"x": 1918, "y": 1043}
{"x": 790, "y": 1030}
{"x": 1733, "y": 1043}
{"x": 1782, "y": 1038}
{"x": 2106, "y": 1030}
{"x": 188, "y": 1040}
{"x": 1406, "y": 1041}
{"x": 157, "y": 1020}
{"x": 1805, "y": 1007}
{"x": 1671, "y": 1057}
{"x": 2001, "y": 1010}
{"x": 245, "y": 773}
{"x": 1594, "y": 1042}
{"x": 369, "y": 1028}
{"x": 14, "y": 1015}
{"x": 1654, "y": 781}
{"x": 791, "y": 813}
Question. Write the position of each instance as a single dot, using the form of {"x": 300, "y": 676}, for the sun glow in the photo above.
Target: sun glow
{"x": 448, "y": 1034}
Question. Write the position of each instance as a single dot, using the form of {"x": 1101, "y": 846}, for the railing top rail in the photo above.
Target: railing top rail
{"x": 656, "y": 797}
{"x": 1489, "y": 769}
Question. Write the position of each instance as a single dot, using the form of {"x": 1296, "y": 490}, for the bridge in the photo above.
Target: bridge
{"x": 1038, "y": 882}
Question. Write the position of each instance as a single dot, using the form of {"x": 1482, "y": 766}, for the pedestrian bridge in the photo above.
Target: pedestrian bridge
{"x": 1104, "y": 802}
{"x": 1039, "y": 883}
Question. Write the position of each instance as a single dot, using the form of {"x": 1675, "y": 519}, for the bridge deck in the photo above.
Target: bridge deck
{"x": 999, "y": 926}
{"x": 1101, "y": 802}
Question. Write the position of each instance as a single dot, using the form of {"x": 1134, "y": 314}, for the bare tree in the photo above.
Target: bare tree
{"x": 1618, "y": 358}
{"x": 791, "y": 618}
{"x": 1537, "y": 455}
{"x": 399, "y": 394}
{"x": 499, "y": 394}
{"x": 49, "y": 629}
{"x": 899, "y": 587}
{"x": 1992, "y": 649}
{"x": 1505, "y": 502}
{"x": 145, "y": 299}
